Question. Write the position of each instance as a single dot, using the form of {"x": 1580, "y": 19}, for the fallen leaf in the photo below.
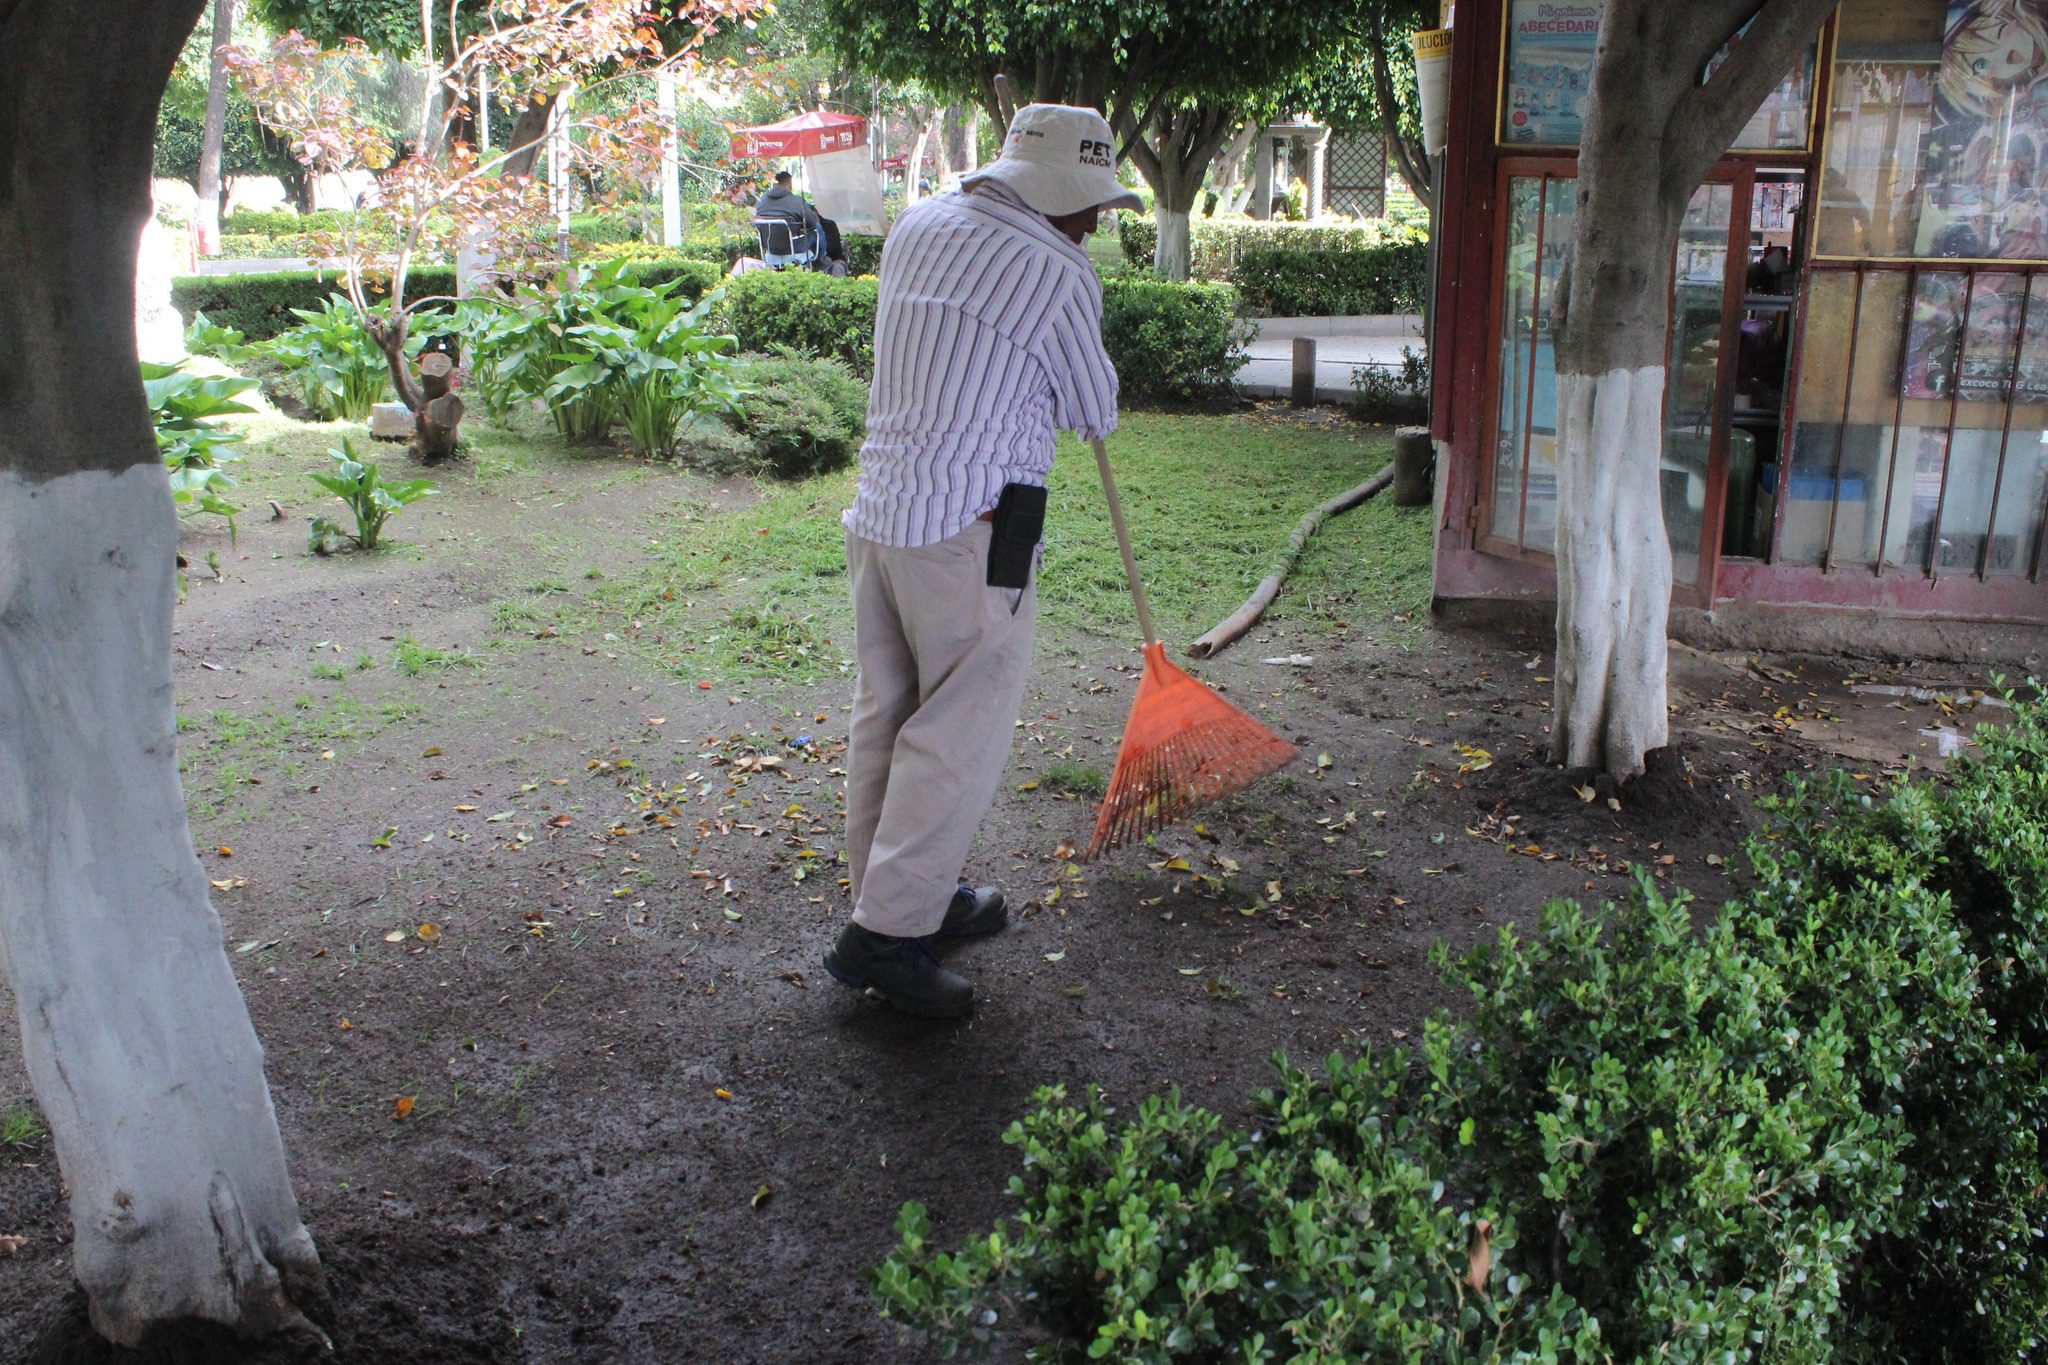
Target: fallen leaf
{"x": 562, "y": 821}
{"x": 429, "y": 932}
{"x": 433, "y": 751}
{"x": 395, "y": 936}
{"x": 733, "y": 914}
{"x": 1480, "y": 1259}
{"x": 501, "y": 815}
{"x": 11, "y": 1244}
{"x": 465, "y": 809}
{"x": 1190, "y": 971}
{"x": 722, "y": 1093}
{"x": 1323, "y": 761}
{"x": 1059, "y": 956}
{"x": 1063, "y": 851}
{"x": 1585, "y": 793}
{"x": 403, "y": 1109}
{"x": 225, "y": 852}
{"x": 229, "y": 883}
{"x": 760, "y": 1196}
{"x": 1030, "y": 786}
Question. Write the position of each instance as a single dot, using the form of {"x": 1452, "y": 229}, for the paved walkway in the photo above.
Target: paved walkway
{"x": 1342, "y": 344}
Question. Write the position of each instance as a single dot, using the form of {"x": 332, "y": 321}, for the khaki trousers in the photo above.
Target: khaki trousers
{"x": 942, "y": 659}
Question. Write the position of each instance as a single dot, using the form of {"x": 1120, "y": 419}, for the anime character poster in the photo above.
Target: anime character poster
{"x": 1550, "y": 70}
{"x": 1973, "y": 354}
{"x": 1987, "y": 153}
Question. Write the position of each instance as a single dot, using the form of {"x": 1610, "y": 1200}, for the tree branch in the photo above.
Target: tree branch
{"x": 1413, "y": 163}
{"x": 1708, "y": 117}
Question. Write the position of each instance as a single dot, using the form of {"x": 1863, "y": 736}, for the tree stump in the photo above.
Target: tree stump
{"x": 441, "y": 412}
{"x": 1414, "y": 467}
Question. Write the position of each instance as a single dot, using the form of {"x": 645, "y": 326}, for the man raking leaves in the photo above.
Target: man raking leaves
{"x": 988, "y": 337}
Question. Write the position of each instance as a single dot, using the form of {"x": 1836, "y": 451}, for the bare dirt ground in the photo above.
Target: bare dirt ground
{"x": 566, "y": 909}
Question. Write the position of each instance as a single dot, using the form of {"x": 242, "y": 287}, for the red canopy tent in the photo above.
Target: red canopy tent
{"x": 811, "y": 134}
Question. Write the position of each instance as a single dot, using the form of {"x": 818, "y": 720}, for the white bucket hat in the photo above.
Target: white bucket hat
{"x": 1059, "y": 160}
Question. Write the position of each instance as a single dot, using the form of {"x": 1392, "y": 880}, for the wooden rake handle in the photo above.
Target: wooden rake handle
{"x": 1123, "y": 542}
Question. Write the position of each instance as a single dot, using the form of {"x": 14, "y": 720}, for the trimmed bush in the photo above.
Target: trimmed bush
{"x": 801, "y": 415}
{"x": 863, "y": 253}
{"x": 1171, "y": 342}
{"x": 804, "y": 311}
{"x": 284, "y": 222}
{"x": 1383, "y": 279}
{"x": 1807, "y": 1132}
{"x": 1301, "y": 269}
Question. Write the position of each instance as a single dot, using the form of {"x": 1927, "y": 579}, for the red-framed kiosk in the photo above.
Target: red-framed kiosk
{"x": 1863, "y": 490}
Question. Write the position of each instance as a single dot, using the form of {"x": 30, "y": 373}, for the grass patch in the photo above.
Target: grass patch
{"x": 21, "y": 1126}
{"x": 1211, "y": 499}
{"x": 229, "y": 753}
{"x": 412, "y": 658}
{"x": 1073, "y": 779}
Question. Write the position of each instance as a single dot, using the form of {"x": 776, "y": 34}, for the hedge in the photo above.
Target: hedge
{"x": 1170, "y": 342}
{"x": 1387, "y": 279}
{"x": 1301, "y": 269}
{"x": 805, "y": 311}
{"x": 259, "y": 306}
{"x": 1809, "y": 1129}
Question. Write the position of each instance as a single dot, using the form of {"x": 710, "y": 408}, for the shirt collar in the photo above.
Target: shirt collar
{"x": 1002, "y": 194}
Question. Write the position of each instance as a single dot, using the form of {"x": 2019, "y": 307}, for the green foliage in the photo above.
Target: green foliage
{"x": 340, "y": 373}
{"x": 1171, "y": 342}
{"x": 21, "y": 1126}
{"x": 863, "y": 253}
{"x": 622, "y": 344}
{"x": 204, "y": 337}
{"x": 1302, "y": 269}
{"x": 370, "y": 500}
{"x": 1385, "y": 279}
{"x": 181, "y": 405}
{"x": 412, "y": 658}
{"x": 263, "y": 305}
{"x": 285, "y": 222}
{"x": 1387, "y": 393}
{"x": 1807, "y": 1132}
{"x": 805, "y": 311}
{"x": 653, "y": 359}
{"x": 801, "y": 416}
{"x": 1323, "y": 1235}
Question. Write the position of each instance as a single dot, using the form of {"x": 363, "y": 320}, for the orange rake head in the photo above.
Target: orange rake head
{"x": 1183, "y": 746}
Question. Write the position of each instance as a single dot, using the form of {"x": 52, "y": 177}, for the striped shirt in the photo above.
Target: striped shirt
{"x": 988, "y": 337}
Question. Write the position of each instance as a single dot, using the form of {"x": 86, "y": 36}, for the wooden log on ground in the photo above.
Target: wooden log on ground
{"x": 1246, "y": 616}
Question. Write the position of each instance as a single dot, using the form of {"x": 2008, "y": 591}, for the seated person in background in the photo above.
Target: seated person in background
{"x": 783, "y": 202}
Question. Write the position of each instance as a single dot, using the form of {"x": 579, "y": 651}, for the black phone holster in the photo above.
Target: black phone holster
{"x": 1018, "y": 522}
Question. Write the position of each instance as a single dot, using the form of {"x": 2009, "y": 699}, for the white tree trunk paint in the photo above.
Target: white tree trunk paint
{"x": 138, "y": 1043}
{"x": 1613, "y": 572}
{"x": 1173, "y": 256}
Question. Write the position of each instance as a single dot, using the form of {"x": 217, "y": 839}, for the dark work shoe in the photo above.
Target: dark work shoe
{"x": 976, "y": 912}
{"x": 902, "y": 969}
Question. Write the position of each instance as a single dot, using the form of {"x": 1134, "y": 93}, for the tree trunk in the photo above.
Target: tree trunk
{"x": 139, "y": 1048}
{"x": 440, "y": 412}
{"x": 1653, "y": 129}
{"x": 1232, "y": 187}
{"x": 206, "y": 222}
{"x": 1173, "y": 160}
{"x": 913, "y": 165}
{"x": 529, "y": 133}
{"x": 942, "y": 163}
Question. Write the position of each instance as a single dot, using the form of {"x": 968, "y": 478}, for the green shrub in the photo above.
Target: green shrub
{"x": 181, "y": 406}
{"x": 804, "y": 311}
{"x": 1326, "y": 1234}
{"x": 339, "y": 372}
{"x": 1171, "y": 342}
{"x": 652, "y": 357}
{"x": 1384, "y": 279}
{"x": 370, "y": 500}
{"x": 801, "y": 415}
{"x": 863, "y": 253}
{"x": 284, "y": 222}
{"x": 606, "y": 227}
{"x": 1807, "y": 1132}
{"x": 1302, "y": 269}
{"x": 261, "y": 305}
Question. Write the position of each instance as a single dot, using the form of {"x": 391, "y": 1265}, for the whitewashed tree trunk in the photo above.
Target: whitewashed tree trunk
{"x": 1174, "y": 254}
{"x": 138, "y": 1045}
{"x": 139, "y": 1048}
{"x": 1613, "y": 571}
{"x": 913, "y": 166}
{"x": 1653, "y": 129}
